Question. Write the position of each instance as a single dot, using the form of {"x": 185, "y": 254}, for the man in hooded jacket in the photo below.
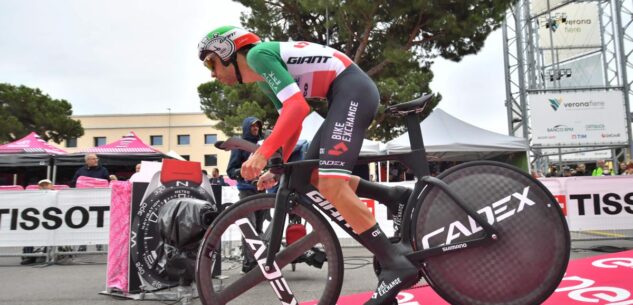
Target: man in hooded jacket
{"x": 252, "y": 132}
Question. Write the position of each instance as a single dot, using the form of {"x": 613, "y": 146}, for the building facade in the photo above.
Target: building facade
{"x": 191, "y": 135}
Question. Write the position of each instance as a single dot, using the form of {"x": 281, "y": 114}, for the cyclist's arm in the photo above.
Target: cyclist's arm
{"x": 290, "y": 101}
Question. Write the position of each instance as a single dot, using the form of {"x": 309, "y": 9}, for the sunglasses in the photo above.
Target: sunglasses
{"x": 208, "y": 61}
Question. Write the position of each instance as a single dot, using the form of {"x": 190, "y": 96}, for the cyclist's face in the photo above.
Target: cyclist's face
{"x": 225, "y": 74}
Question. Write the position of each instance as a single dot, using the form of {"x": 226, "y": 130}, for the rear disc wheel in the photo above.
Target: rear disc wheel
{"x": 527, "y": 261}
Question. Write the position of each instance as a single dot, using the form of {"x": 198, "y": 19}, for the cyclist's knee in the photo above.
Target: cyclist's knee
{"x": 331, "y": 187}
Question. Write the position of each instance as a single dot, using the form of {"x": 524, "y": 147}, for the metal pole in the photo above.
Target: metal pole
{"x": 521, "y": 70}
{"x": 625, "y": 82}
{"x": 387, "y": 178}
{"x": 560, "y": 159}
{"x": 506, "y": 70}
{"x": 54, "y": 174}
{"x": 616, "y": 164}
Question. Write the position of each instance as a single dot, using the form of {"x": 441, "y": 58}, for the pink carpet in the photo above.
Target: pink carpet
{"x": 602, "y": 280}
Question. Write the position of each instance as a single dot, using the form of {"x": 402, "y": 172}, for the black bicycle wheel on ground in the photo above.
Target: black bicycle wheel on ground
{"x": 527, "y": 261}
{"x": 307, "y": 283}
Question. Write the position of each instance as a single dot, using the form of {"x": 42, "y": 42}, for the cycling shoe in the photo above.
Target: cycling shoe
{"x": 392, "y": 280}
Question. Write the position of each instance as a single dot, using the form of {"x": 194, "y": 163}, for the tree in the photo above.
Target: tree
{"x": 395, "y": 42}
{"x": 23, "y": 110}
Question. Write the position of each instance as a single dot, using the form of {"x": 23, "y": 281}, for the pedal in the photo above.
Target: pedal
{"x": 313, "y": 257}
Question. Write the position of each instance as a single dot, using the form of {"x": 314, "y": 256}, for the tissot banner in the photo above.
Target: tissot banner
{"x": 54, "y": 218}
{"x": 594, "y": 203}
{"x": 578, "y": 118}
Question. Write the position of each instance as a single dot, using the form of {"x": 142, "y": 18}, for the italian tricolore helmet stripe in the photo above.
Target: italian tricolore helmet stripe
{"x": 225, "y": 41}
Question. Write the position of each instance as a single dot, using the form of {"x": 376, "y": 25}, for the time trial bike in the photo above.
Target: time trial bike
{"x": 482, "y": 233}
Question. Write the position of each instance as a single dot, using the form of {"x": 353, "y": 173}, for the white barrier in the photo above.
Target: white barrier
{"x": 54, "y": 218}
{"x": 594, "y": 203}
{"x": 82, "y": 216}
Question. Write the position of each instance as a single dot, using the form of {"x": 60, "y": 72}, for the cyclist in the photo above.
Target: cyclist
{"x": 288, "y": 73}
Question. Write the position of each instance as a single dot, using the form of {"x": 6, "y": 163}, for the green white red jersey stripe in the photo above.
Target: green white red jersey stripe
{"x": 335, "y": 173}
{"x": 287, "y": 92}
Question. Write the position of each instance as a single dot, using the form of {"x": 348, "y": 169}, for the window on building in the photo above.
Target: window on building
{"x": 210, "y": 138}
{"x": 186, "y": 157}
{"x": 156, "y": 140}
{"x": 210, "y": 160}
{"x": 71, "y": 142}
{"x": 183, "y": 139}
{"x": 98, "y": 141}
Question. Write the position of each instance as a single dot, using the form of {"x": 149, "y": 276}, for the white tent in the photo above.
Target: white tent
{"x": 448, "y": 138}
{"x": 312, "y": 123}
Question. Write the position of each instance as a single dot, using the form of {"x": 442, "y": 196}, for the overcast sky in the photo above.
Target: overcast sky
{"x": 129, "y": 56}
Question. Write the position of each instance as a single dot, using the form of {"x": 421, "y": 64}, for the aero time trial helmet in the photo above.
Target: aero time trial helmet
{"x": 225, "y": 41}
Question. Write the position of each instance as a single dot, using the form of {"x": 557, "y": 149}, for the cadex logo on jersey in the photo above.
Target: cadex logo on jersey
{"x": 495, "y": 212}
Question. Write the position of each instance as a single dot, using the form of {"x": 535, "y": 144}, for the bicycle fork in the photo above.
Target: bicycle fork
{"x": 265, "y": 255}
{"x": 272, "y": 272}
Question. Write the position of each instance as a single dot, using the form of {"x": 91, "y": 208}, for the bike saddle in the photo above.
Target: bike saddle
{"x": 416, "y": 105}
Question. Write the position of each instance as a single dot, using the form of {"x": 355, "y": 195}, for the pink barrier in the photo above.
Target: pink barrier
{"x": 11, "y": 188}
{"x": 84, "y": 182}
{"x": 60, "y": 186}
{"x": 118, "y": 247}
{"x": 587, "y": 281}
{"x": 33, "y": 187}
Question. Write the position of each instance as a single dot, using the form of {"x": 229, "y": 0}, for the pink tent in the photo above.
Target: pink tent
{"x": 130, "y": 143}
{"x": 32, "y": 143}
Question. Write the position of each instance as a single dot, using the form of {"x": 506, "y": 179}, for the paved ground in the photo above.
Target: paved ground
{"x": 79, "y": 281}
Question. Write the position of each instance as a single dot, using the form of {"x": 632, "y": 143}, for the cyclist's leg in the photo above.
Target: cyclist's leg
{"x": 394, "y": 197}
{"x": 248, "y": 260}
{"x": 353, "y": 101}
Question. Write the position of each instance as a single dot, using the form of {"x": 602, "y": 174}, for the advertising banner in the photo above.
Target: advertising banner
{"x": 576, "y": 154}
{"x": 572, "y": 30}
{"x": 578, "y": 118}
{"x": 54, "y": 218}
{"x": 594, "y": 203}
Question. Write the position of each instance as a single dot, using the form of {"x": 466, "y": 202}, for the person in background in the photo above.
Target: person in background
{"x": 252, "y": 132}
{"x": 629, "y": 168}
{"x": 602, "y": 169}
{"x": 581, "y": 170}
{"x": 216, "y": 178}
{"x": 553, "y": 171}
{"x": 113, "y": 178}
{"x": 567, "y": 172}
{"x": 137, "y": 168}
{"x": 622, "y": 168}
{"x": 43, "y": 184}
{"x": 91, "y": 169}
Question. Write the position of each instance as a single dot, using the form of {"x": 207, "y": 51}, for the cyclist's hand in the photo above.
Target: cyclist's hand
{"x": 253, "y": 166}
{"x": 266, "y": 181}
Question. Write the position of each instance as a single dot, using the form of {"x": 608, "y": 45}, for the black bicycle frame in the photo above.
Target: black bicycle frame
{"x": 295, "y": 187}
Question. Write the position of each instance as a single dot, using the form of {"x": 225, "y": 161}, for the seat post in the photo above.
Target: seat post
{"x": 418, "y": 152}
{"x": 415, "y": 133}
